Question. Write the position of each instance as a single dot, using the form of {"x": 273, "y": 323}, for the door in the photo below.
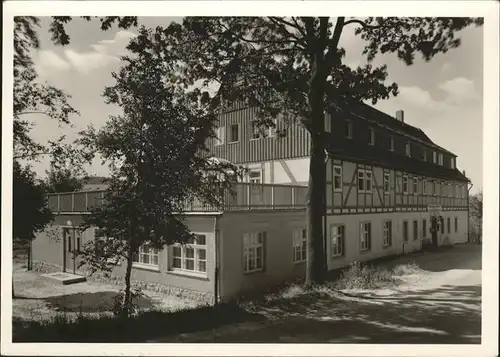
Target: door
{"x": 71, "y": 248}
{"x": 256, "y": 190}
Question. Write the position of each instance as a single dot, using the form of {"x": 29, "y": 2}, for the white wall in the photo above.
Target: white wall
{"x": 276, "y": 171}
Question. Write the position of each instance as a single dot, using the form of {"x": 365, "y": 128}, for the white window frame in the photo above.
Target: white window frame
{"x": 299, "y": 245}
{"x": 452, "y": 163}
{"x": 252, "y": 242}
{"x": 337, "y": 173}
{"x": 440, "y": 159}
{"x": 254, "y": 179}
{"x": 434, "y": 157}
{"x": 371, "y": 138}
{"x": 387, "y": 233}
{"x": 337, "y": 236}
{"x": 424, "y": 154}
{"x": 415, "y": 185}
{"x": 197, "y": 259}
{"x": 140, "y": 254}
{"x": 424, "y": 186}
{"x": 408, "y": 149}
{"x": 368, "y": 178}
{"x": 220, "y": 133}
{"x": 387, "y": 182}
{"x": 231, "y": 139}
{"x": 349, "y": 129}
{"x": 361, "y": 176}
{"x": 450, "y": 190}
{"x": 405, "y": 181}
{"x": 434, "y": 188}
{"x": 365, "y": 236}
{"x": 391, "y": 143}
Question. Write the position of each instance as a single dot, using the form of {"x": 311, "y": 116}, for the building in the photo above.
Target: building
{"x": 385, "y": 181}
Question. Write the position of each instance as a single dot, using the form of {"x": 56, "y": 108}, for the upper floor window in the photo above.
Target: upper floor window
{"x": 415, "y": 185}
{"x": 219, "y": 132}
{"x": 348, "y": 129}
{"x": 387, "y": 182}
{"x": 255, "y": 176}
{"x": 440, "y": 159}
{"x": 435, "y": 188}
{"x": 405, "y": 184}
{"x": 261, "y": 131}
{"x": 371, "y": 136}
{"x": 234, "y": 133}
{"x": 299, "y": 245}
{"x": 337, "y": 178}
{"x": 391, "y": 143}
{"x": 424, "y": 186}
{"x": 364, "y": 180}
{"x": 408, "y": 149}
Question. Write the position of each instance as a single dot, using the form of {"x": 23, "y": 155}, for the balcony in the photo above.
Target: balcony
{"x": 246, "y": 196}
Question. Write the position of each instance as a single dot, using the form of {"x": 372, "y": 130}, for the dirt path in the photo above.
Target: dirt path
{"x": 442, "y": 304}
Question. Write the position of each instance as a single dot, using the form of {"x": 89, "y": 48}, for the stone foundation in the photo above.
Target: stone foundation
{"x": 43, "y": 267}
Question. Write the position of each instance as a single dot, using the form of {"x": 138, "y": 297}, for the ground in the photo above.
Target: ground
{"x": 440, "y": 302}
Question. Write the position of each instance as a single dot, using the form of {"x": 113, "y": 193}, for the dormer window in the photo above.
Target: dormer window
{"x": 452, "y": 163}
{"x": 348, "y": 129}
{"x": 371, "y": 136}
{"x": 440, "y": 159}
{"x": 434, "y": 157}
{"x": 391, "y": 143}
{"x": 424, "y": 154}
{"x": 408, "y": 149}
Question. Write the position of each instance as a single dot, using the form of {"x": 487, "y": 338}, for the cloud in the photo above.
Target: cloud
{"x": 459, "y": 90}
{"x": 446, "y": 67}
{"x": 416, "y": 96}
{"x": 47, "y": 61}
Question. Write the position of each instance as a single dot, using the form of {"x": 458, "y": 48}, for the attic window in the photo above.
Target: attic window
{"x": 424, "y": 154}
{"x": 348, "y": 129}
{"x": 452, "y": 163}
{"x": 434, "y": 157}
{"x": 391, "y": 143}
{"x": 371, "y": 136}
{"x": 440, "y": 159}
{"x": 408, "y": 149}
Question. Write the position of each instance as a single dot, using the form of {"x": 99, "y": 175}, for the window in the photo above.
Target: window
{"x": 366, "y": 236}
{"x": 348, "y": 129}
{"x": 424, "y": 155}
{"x": 450, "y": 190}
{"x": 424, "y": 228}
{"x": 219, "y": 132}
{"x": 445, "y": 193}
{"x": 261, "y": 132}
{"x": 337, "y": 233}
{"x": 299, "y": 245}
{"x": 456, "y": 224}
{"x": 424, "y": 186}
{"x": 255, "y": 176}
{"x": 408, "y": 149}
{"x": 405, "y": 231}
{"x": 364, "y": 180}
{"x": 405, "y": 184}
{"x": 234, "y": 133}
{"x": 328, "y": 123}
{"x": 253, "y": 251}
{"x": 387, "y": 182}
{"x": 371, "y": 136}
{"x": 192, "y": 256}
{"x": 448, "y": 224}
{"x": 440, "y": 159}
{"x": 391, "y": 143}
{"x": 387, "y": 233}
{"x": 442, "y": 225}
{"x": 337, "y": 178}
{"x": 146, "y": 256}
{"x": 415, "y": 185}
{"x": 415, "y": 230}
{"x": 452, "y": 163}
{"x": 453, "y": 190}
{"x": 435, "y": 188}
{"x": 434, "y": 157}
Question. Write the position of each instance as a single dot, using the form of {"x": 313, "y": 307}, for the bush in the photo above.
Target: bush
{"x": 360, "y": 276}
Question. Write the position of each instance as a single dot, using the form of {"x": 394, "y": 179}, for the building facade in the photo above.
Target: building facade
{"x": 390, "y": 189}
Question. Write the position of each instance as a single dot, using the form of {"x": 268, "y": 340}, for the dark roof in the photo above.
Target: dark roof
{"x": 375, "y": 116}
{"x": 95, "y": 180}
{"x": 351, "y": 151}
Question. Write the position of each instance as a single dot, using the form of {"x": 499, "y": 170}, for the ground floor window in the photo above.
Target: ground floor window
{"x": 253, "y": 251}
{"x": 299, "y": 245}
{"x": 387, "y": 233}
{"x": 442, "y": 225}
{"x": 448, "y": 224}
{"x": 415, "y": 230}
{"x": 424, "y": 228}
{"x": 365, "y": 236}
{"x": 405, "y": 231}
{"x": 337, "y": 240}
{"x": 456, "y": 224}
{"x": 146, "y": 255}
{"x": 192, "y": 256}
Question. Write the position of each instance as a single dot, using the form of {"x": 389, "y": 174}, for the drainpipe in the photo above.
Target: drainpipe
{"x": 468, "y": 211}
{"x": 325, "y": 247}
{"x": 216, "y": 270}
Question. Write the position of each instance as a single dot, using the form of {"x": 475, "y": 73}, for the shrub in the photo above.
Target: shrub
{"x": 360, "y": 276}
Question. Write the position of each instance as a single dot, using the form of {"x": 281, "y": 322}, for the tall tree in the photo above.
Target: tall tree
{"x": 63, "y": 180}
{"x": 291, "y": 68}
{"x": 157, "y": 154}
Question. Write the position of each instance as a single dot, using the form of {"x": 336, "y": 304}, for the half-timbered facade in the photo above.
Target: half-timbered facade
{"x": 389, "y": 190}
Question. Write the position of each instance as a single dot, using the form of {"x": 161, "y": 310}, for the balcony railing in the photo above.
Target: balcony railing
{"x": 245, "y": 196}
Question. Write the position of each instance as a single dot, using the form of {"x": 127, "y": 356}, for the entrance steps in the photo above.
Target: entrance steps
{"x": 65, "y": 278}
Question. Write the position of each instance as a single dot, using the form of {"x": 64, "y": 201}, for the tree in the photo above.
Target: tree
{"x": 158, "y": 159}
{"x": 476, "y": 215}
{"x": 292, "y": 68}
{"x": 63, "y": 180}
{"x": 30, "y": 212}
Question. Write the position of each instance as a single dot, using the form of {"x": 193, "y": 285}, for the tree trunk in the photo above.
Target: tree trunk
{"x": 127, "y": 296}
{"x": 316, "y": 262}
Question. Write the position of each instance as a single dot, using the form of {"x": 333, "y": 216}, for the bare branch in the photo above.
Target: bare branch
{"x": 362, "y": 23}
{"x": 33, "y": 112}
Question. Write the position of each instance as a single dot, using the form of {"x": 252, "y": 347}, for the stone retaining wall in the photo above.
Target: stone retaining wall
{"x": 43, "y": 267}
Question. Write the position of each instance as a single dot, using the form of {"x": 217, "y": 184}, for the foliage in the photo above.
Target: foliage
{"x": 30, "y": 212}
{"x": 476, "y": 216}
{"x": 158, "y": 158}
{"x": 63, "y": 180}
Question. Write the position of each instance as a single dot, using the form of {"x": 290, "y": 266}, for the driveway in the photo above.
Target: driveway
{"x": 439, "y": 305}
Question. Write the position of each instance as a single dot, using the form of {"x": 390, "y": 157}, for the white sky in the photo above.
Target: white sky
{"x": 443, "y": 97}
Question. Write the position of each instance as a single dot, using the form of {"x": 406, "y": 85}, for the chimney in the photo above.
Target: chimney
{"x": 464, "y": 173}
{"x": 400, "y": 116}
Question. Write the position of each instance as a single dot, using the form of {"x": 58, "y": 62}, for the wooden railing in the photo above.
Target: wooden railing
{"x": 245, "y": 196}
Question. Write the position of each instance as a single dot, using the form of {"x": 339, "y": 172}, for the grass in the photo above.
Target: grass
{"x": 139, "y": 328}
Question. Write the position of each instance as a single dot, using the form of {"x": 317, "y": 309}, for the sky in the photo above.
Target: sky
{"x": 443, "y": 97}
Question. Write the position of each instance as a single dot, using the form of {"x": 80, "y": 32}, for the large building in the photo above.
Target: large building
{"x": 389, "y": 190}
